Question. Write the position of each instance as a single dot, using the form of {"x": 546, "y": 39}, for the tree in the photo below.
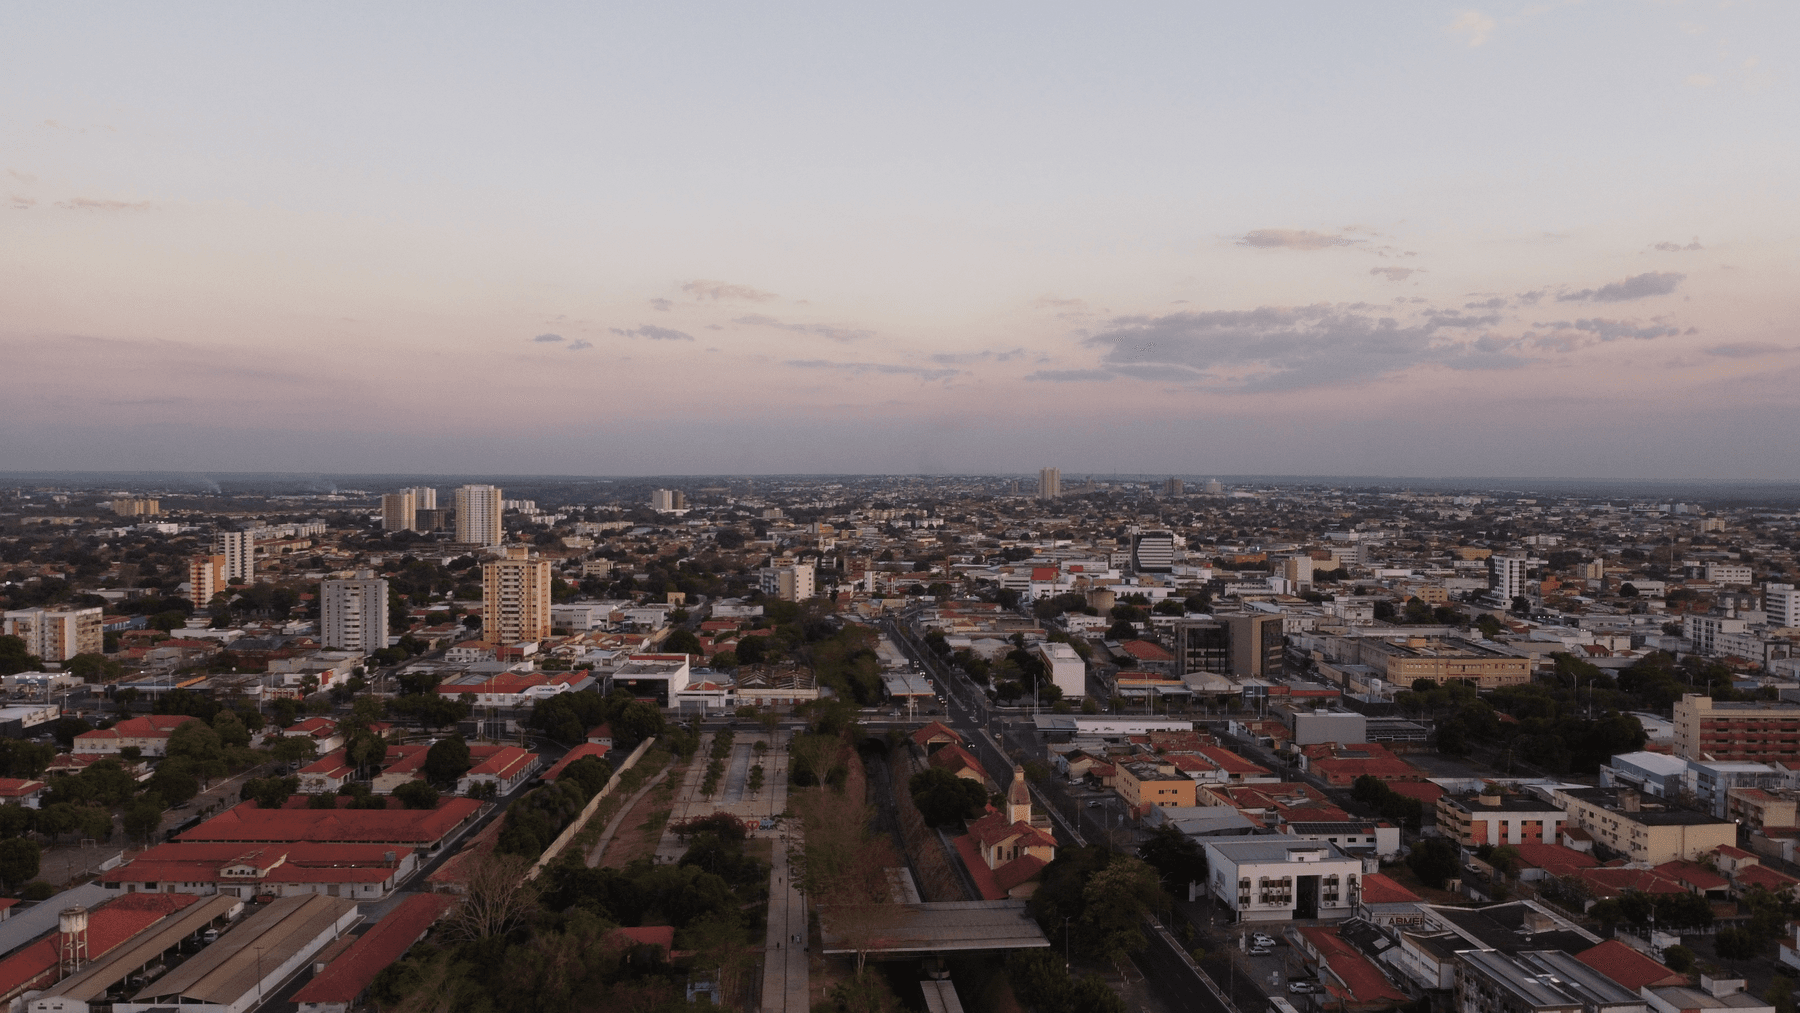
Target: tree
{"x": 14, "y": 658}
{"x": 174, "y": 780}
{"x": 1679, "y": 958}
{"x": 18, "y": 860}
{"x": 496, "y": 898}
{"x": 197, "y": 743}
{"x": 1115, "y": 901}
{"x": 1176, "y": 857}
{"x": 1683, "y": 911}
{"x": 1730, "y": 944}
{"x": 681, "y": 641}
{"x": 292, "y": 748}
{"x": 94, "y": 668}
{"x": 417, "y": 795}
{"x": 447, "y": 760}
{"x": 270, "y": 792}
{"x": 943, "y": 798}
{"x": 231, "y": 729}
{"x": 1433, "y": 860}
{"x": 143, "y": 816}
{"x": 591, "y": 772}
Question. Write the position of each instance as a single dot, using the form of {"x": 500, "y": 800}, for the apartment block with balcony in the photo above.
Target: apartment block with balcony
{"x": 1643, "y": 829}
{"x": 1498, "y": 818}
{"x": 1753, "y": 731}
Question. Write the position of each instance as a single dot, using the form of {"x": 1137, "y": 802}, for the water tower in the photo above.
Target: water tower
{"x": 72, "y": 924}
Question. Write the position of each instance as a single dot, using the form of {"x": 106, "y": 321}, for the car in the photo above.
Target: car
{"x": 1262, "y": 939}
{"x": 1261, "y": 951}
{"x": 1095, "y": 804}
{"x": 1302, "y": 987}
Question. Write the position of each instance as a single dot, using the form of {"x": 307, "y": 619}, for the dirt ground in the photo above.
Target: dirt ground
{"x": 643, "y": 825}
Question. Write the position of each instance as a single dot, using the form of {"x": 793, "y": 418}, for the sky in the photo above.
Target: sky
{"x": 1550, "y": 238}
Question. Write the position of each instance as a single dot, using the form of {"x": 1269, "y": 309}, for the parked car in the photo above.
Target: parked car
{"x": 1262, "y": 939}
{"x": 1095, "y": 804}
{"x": 1302, "y": 987}
{"x": 1261, "y": 951}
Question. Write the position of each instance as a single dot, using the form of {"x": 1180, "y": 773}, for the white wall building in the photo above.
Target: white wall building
{"x": 239, "y": 550}
{"x": 353, "y": 614}
{"x": 1273, "y": 879}
{"x": 1781, "y": 603}
{"x": 1065, "y": 669}
{"x": 1506, "y": 576}
{"x": 478, "y": 515}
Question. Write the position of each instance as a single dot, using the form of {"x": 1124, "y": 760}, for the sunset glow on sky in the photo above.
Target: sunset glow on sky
{"x": 1550, "y": 239}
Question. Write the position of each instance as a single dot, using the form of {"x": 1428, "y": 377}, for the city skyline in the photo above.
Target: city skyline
{"x": 1513, "y": 239}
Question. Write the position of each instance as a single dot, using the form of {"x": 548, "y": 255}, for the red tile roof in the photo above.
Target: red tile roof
{"x": 1628, "y": 967}
{"x": 409, "y": 827}
{"x": 345, "y": 978}
{"x": 970, "y": 852}
{"x": 1554, "y": 858}
{"x": 1363, "y": 981}
{"x": 1611, "y": 882}
{"x": 954, "y": 758}
{"x": 933, "y": 730}
{"x": 1763, "y": 876}
{"x": 645, "y": 935}
{"x": 1379, "y": 889}
{"x": 1693, "y": 874}
{"x": 1229, "y": 761}
{"x": 1144, "y": 650}
{"x": 108, "y": 925}
{"x": 1017, "y": 871}
{"x": 585, "y": 749}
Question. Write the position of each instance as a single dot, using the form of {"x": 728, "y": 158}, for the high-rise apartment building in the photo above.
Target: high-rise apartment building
{"x": 1506, "y": 576}
{"x": 1751, "y": 731}
{"x": 665, "y": 500}
{"x": 239, "y": 550}
{"x": 478, "y": 515}
{"x": 515, "y": 598}
{"x": 1781, "y": 603}
{"x": 136, "y": 507}
{"x": 399, "y": 511}
{"x": 56, "y": 634}
{"x": 206, "y": 577}
{"x": 1173, "y": 487}
{"x": 424, "y": 497}
{"x": 789, "y": 583}
{"x": 1049, "y": 483}
{"x": 353, "y": 614}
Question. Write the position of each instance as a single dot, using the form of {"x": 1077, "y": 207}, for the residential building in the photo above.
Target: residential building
{"x": 515, "y": 598}
{"x": 1492, "y": 817}
{"x": 56, "y": 634}
{"x": 1757, "y": 731}
{"x": 1706, "y": 632}
{"x": 1155, "y": 784}
{"x": 1049, "y": 483}
{"x": 136, "y": 507}
{"x": 1152, "y": 552}
{"x": 1065, "y": 668}
{"x": 667, "y": 500}
{"x": 239, "y": 550}
{"x": 1728, "y": 573}
{"x": 353, "y": 614}
{"x": 789, "y": 583}
{"x": 399, "y": 512}
{"x": 1281, "y": 878}
{"x": 1506, "y": 576}
{"x": 1714, "y": 779}
{"x": 478, "y": 515}
{"x": 206, "y": 577}
{"x": 1537, "y": 981}
{"x": 424, "y": 497}
{"x": 1781, "y": 604}
{"x": 1641, "y": 829}
{"x": 1757, "y": 808}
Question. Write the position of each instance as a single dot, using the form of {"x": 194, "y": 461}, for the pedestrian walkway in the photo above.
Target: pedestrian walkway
{"x": 769, "y": 802}
{"x": 786, "y": 984}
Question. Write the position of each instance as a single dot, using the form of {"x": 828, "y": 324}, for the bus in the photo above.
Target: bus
{"x": 1279, "y": 1005}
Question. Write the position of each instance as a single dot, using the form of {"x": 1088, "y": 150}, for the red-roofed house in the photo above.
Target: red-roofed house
{"x": 1607, "y": 883}
{"x": 20, "y": 791}
{"x": 504, "y": 767}
{"x": 421, "y": 829}
{"x": 585, "y": 749}
{"x": 935, "y": 735}
{"x": 1342, "y": 765}
{"x": 1628, "y": 967}
{"x": 1697, "y": 878}
{"x": 363, "y": 871}
{"x": 148, "y": 732}
{"x": 347, "y": 978}
{"x": 1551, "y": 861}
{"x": 1385, "y": 902}
{"x": 1348, "y": 976}
{"x": 600, "y": 735}
{"x": 962, "y": 763}
{"x": 321, "y": 730}
{"x": 1749, "y": 877}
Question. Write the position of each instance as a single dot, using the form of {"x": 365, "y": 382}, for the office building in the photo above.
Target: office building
{"x": 1506, "y": 576}
{"x": 1728, "y": 573}
{"x": 1049, "y": 483}
{"x": 667, "y": 500}
{"x": 137, "y": 507}
{"x": 206, "y": 577}
{"x": 1280, "y": 878}
{"x": 424, "y": 497}
{"x": 353, "y": 614}
{"x": 1258, "y": 648}
{"x": 515, "y": 598}
{"x": 56, "y": 634}
{"x": 478, "y": 515}
{"x": 789, "y": 583}
{"x": 239, "y": 550}
{"x": 1403, "y": 660}
{"x": 1753, "y": 731}
{"x": 1297, "y": 570}
{"x": 1781, "y": 604}
{"x": 1065, "y": 668}
{"x": 1202, "y": 645}
{"x": 1152, "y": 552}
{"x": 399, "y": 512}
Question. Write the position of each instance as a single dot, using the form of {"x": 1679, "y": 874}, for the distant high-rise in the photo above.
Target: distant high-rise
{"x": 665, "y": 500}
{"x": 1506, "y": 576}
{"x": 239, "y": 550}
{"x": 137, "y": 507}
{"x": 1049, "y": 483}
{"x": 1781, "y": 603}
{"x": 424, "y": 497}
{"x": 478, "y": 515}
{"x": 56, "y": 634}
{"x": 515, "y": 598}
{"x": 789, "y": 583}
{"x": 354, "y": 613}
{"x": 206, "y": 577}
{"x": 1173, "y": 487}
{"x": 1214, "y": 487}
{"x": 398, "y": 511}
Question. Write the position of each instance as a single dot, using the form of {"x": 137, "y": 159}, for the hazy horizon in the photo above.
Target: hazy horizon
{"x": 1514, "y": 238}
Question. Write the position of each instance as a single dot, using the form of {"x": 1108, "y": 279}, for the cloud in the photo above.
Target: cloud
{"x": 1284, "y": 348}
{"x": 1748, "y": 349}
{"x": 921, "y": 372}
{"x": 1473, "y": 26}
{"x": 1070, "y": 375}
{"x": 1496, "y": 303}
{"x": 95, "y": 204}
{"x": 835, "y": 333}
{"x": 23, "y": 177}
{"x": 654, "y": 333}
{"x": 717, "y": 290}
{"x": 1293, "y": 239}
{"x": 580, "y": 343}
{"x": 21, "y": 203}
{"x": 547, "y": 338}
{"x": 661, "y": 304}
{"x": 1569, "y": 335}
{"x": 1396, "y": 273}
{"x": 957, "y": 358}
{"x": 1640, "y": 286}
{"x": 1692, "y": 247}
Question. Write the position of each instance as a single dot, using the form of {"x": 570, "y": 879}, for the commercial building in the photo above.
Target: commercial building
{"x": 365, "y": 872}
{"x": 1781, "y": 604}
{"x": 353, "y": 614}
{"x": 206, "y": 577}
{"x": 1656, "y": 774}
{"x": 1506, "y": 576}
{"x": 56, "y": 634}
{"x": 1152, "y": 552}
{"x": 478, "y": 515}
{"x": 110, "y": 973}
{"x": 1049, "y": 483}
{"x": 1492, "y": 817}
{"x": 399, "y": 512}
{"x": 1201, "y": 646}
{"x": 1403, "y": 660}
{"x": 1065, "y": 668}
{"x": 348, "y": 977}
{"x": 236, "y": 973}
{"x": 1152, "y": 783}
{"x": 1537, "y": 981}
{"x": 1279, "y": 878}
{"x": 1757, "y": 731}
{"x": 1258, "y": 648}
{"x": 1641, "y": 829}
{"x": 1713, "y": 780}
{"x": 789, "y": 583}
{"x": 515, "y": 598}
{"x": 655, "y": 677}
{"x": 239, "y": 550}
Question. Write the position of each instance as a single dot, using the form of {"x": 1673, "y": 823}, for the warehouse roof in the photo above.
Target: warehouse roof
{"x": 224, "y": 971}
{"x": 385, "y": 943}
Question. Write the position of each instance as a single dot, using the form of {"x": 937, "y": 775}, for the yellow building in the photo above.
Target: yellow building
{"x": 1406, "y": 659}
{"x": 206, "y": 577}
{"x": 515, "y": 598}
{"x": 56, "y": 634}
{"x": 1644, "y": 828}
{"x": 1145, "y": 784}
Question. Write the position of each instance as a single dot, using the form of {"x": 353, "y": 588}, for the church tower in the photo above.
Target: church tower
{"x": 1018, "y": 798}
